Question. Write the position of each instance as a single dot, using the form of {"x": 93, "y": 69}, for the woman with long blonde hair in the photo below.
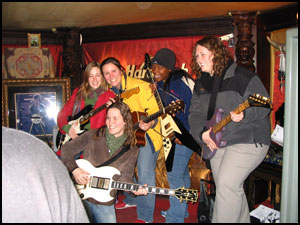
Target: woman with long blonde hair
{"x": 94, "y": 92}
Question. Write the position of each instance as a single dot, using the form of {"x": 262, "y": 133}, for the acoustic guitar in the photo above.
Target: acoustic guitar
{"x": 172, "y": 108}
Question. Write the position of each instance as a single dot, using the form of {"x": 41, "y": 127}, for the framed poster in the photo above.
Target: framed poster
{"x": 32, "y": 105}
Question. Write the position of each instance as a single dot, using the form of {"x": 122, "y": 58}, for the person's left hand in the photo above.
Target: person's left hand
{"x": 141, "y": 191}
{"x": 145, "y": 126}
{"x": 177, "y": 141}
{"x": 236, "y": 117}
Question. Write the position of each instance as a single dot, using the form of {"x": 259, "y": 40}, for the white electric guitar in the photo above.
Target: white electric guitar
{"x": 101, "y": 184}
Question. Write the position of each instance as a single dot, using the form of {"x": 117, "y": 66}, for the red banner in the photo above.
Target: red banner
{"x": 131, "y": 53}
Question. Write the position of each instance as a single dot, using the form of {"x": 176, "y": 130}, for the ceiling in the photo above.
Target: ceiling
{"x": 48, "y": 15}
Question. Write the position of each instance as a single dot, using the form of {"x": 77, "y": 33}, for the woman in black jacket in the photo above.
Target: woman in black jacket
{"x": 245, "y": 140}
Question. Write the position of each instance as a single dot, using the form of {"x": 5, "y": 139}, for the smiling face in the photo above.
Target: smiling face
{"x": 94, "y": 78}
{"x": 112, "y": 74}
{"x": 160, "y": 72}
{"x": 115, "y": 122}
{"x": 204, "y": 58}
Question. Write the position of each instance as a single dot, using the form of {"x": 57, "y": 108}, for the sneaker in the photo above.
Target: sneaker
{"x": 123, "y": 205}
{"x": 164, "y": 214}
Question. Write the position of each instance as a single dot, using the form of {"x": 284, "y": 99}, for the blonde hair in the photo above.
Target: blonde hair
{"x": 85, "y": 88}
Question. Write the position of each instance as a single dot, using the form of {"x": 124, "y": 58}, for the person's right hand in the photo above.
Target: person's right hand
{"x": 153, "y": 86}
{"x": 111, "y": 101}
{"x": 208, "y": 141}
{"x": 72, "y": 132}
{"x": 81, "y": 176}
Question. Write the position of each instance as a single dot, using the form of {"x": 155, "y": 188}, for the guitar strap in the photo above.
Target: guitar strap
{"x": 124, "y": 149}
{"x": 213, "y": 97}
{"x": 214, "y": 93}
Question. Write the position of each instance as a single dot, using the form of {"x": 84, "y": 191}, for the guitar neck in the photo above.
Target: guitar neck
{"x": 156, "y": 94}
{"x": 95, "y": 111}
{"x": 150, "y": 118}
{"x": 134, "y": 187}
{"x": 217, "y": 127}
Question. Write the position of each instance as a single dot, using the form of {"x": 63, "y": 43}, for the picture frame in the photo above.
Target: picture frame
{"x": 32, "y": 105}
{"x": 34, "y": 40}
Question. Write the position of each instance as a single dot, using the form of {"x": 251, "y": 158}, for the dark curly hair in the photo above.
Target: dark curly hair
{"x": 126, "y": 114}
{"x": 221, "y": 55}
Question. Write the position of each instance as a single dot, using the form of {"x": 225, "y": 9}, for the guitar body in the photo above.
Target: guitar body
{"x": 216, "y": 137}
{"x": 218, "y": 124}
{"x": 79, "y": 128}
{"x": 100, "y": 194}
{"x": 186, "y": 138}
{"x": 82, "y": 112}
{"x": 139, "y": 133}
{"x": 168, "y": 128}
{"x": 62, "y": 139}
{"x": 101, "y": 184}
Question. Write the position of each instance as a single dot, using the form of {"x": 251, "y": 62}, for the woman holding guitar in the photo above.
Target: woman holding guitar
{"x": 240, "y": 146}
{"x": 93, "y": 92}
{"x": 100, "y": 146}
{"x": 144, "y": 102}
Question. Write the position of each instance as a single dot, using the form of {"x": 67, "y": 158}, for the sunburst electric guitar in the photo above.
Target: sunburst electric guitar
{"x": 101, "y": 183}
{"x": 218, "y": 124}
{"x": 82, "y": 118}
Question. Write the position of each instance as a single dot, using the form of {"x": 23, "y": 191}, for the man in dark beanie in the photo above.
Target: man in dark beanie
{"x": 175, "y": 84}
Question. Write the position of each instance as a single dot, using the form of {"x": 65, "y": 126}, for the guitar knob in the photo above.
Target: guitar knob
{"x": 81, "y": 195}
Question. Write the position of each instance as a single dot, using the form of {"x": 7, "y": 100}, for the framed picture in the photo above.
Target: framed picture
{"x": 32, "y": 105}
{"x": 34, "y": 40}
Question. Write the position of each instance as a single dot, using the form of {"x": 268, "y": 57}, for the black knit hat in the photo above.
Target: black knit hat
{"x": 165, "y": 57}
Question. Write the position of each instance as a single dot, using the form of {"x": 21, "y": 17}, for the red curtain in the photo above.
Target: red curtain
{"x": 132, "y": 52}
{"x": 56, "y": 52}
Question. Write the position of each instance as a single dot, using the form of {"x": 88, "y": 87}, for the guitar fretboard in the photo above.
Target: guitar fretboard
{"x": 125, "y": 94}
{"x": 135, "y": 187}
{"x": 93, "y": 112}
{"x": 227, "y": 119}
{"x": 150, "y": 118}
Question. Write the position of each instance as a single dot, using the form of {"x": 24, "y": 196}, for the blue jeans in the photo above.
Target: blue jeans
{"x": 177, "y": 178}
{"x": 100, "y": 213}
{"x": 146, "y": 165}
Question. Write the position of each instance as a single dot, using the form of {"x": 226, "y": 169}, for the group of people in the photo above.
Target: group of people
{"x": 112, "y": 130}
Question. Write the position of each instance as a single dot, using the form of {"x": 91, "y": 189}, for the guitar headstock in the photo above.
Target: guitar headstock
{"x": 174, "y": 107}
{"x": 260, "y": 101}
{"x": 130, "y": 92}
{"x": 147, "y": 61}
{"x": 186, "y": 194}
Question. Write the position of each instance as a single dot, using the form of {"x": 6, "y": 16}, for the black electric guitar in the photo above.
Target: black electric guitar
{"x": 82, "y": 118}
{"x": 172, "y": 108}
{"x": 218, "y": 124}
{"x": 101, "y": 183}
